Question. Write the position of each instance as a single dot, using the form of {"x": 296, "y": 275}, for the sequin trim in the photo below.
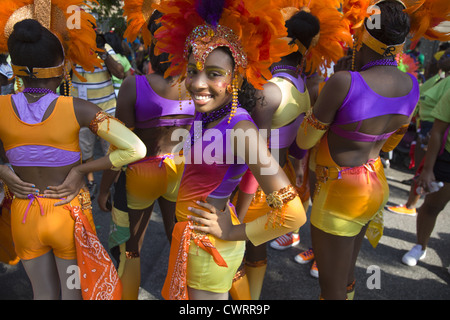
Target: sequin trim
{"x": 204, "y": 39}
{"x": 311, "y": 120}
{"x": 278, "y": 201}
{"x": 98, "y": 119}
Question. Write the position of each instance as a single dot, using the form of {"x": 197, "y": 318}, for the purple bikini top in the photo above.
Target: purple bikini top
{"x": 363, "y": 103}
{"x": 150, "y": 107}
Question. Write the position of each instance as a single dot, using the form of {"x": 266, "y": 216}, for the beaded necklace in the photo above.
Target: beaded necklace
{"x": 380, "y": 62}
{"x": 38, "y": 90}
{"x": 213, "y": 116}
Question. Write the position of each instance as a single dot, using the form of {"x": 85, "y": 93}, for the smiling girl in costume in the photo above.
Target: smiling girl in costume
{"x": 217, "y": 43}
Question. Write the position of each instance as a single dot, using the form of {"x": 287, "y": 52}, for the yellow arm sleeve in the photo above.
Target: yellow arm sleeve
{"x": 289, "y": 217}
{"x": 395, "y": 139}
{"x": 127, "y": 147}
{"x": 310, "y": 132}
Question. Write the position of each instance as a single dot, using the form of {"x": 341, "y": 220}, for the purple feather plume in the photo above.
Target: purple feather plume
{"x": 210, "y": 10}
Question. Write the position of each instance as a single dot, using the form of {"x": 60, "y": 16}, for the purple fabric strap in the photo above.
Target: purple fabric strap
{"x": 360, "y": 136}
{"x": 298, "y": 82}
{"x": 166, "y": 123}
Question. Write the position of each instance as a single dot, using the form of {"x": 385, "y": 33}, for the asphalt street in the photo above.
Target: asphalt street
{"x": 380, "y": 273}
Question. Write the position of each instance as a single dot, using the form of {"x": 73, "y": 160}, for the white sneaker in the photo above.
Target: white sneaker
{"x": 285, "y": 241}
{"x": 314, "y": 271}
{"x": 414, "y": 255}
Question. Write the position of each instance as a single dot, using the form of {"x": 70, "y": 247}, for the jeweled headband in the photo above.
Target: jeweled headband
{"x": 205, "y": 38}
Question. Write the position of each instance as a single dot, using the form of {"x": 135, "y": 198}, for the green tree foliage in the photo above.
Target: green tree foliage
{"x": 110, "y": 15}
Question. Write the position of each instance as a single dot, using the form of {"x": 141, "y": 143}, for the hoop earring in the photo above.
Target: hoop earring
{"x": 235, "y": 93}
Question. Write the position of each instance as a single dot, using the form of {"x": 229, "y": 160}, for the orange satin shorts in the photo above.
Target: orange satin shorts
{"x": 38, "y": 227}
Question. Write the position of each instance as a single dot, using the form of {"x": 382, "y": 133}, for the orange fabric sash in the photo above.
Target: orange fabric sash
{"x": 175, "y": 285}
{"x": 98, "y": 275}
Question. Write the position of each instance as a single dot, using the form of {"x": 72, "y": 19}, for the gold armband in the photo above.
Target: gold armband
{"x": 99, "y": 118}
{"x": 125, "y": 147}
{"x": 311, "y": 131}
{"x": 278, "y": 200}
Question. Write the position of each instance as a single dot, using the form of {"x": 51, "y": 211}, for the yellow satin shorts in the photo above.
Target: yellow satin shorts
{"x": 151, "y": 178}
{"x": 347, "y": 198}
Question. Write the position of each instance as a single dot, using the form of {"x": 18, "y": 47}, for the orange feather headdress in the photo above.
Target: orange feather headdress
{"x": 328, "y": 45}
{"x": 73, "y": 26}
{"x": 138, "y": 13}
{"x": 425, "y": 16}
{"x": 252, "y": 29}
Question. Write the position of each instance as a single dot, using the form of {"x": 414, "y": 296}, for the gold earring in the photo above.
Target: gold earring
{"x": 19, "y": 85}
{"x": 67, "y": 83}
{"x": 179, "y": 96}
{"x": 235, "y": 101}
{"x": 354, "y": 55}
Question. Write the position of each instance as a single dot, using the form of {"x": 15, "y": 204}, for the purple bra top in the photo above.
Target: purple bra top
{"x": 228, "y": 165}
{"x": 150, "y": 107}
{"x": 38, "y": 155}
{"x": 363, "y": 103}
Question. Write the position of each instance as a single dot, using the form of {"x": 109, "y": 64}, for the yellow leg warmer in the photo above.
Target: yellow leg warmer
{"x": 131, "y": 278}
{"x": 255, "y": 273}
{"x": 240, "y": 289}
{"x": 351, "y": 291}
